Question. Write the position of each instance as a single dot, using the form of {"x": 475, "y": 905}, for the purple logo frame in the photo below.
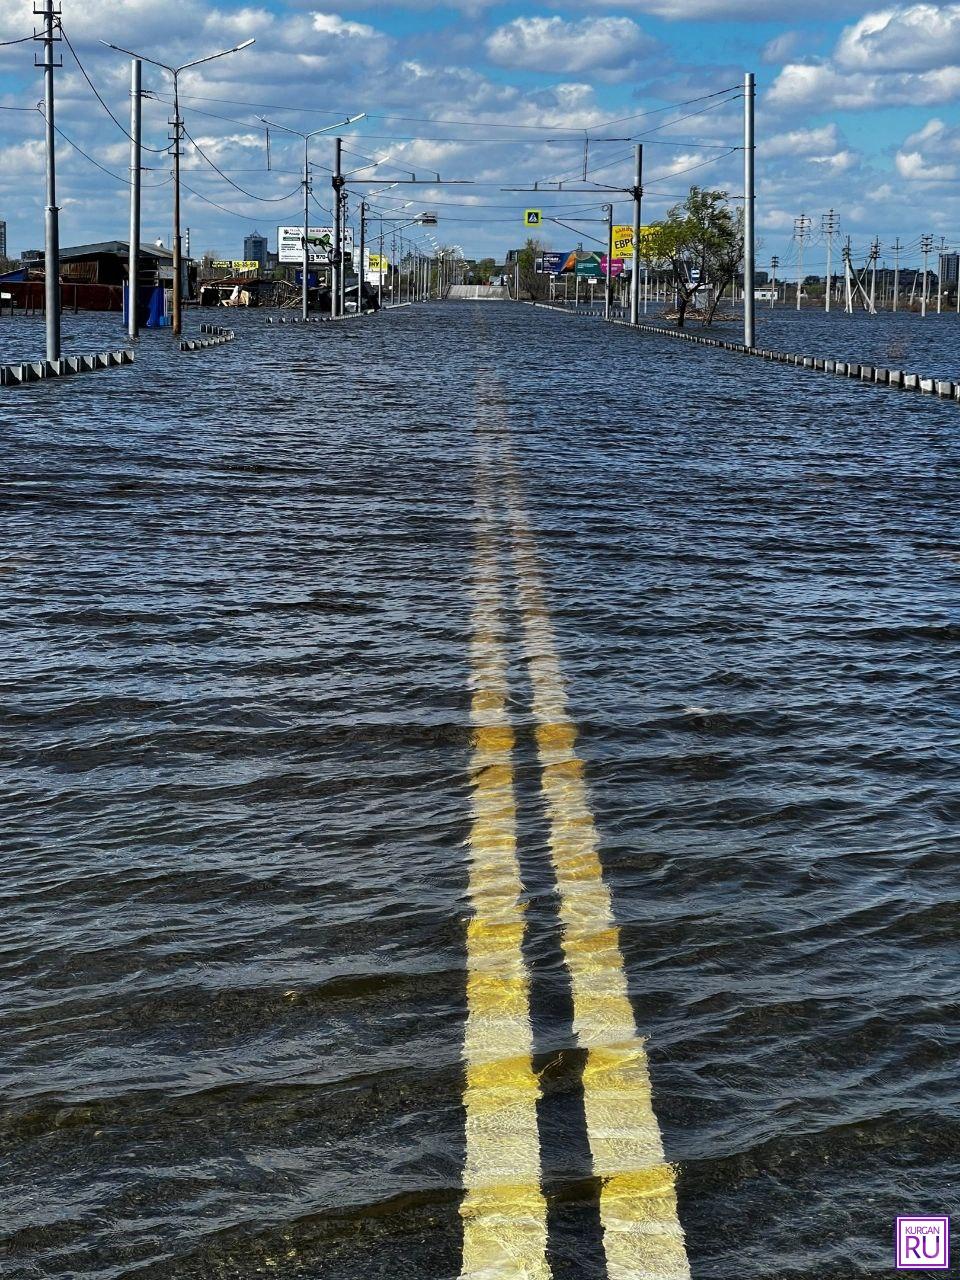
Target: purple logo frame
{"x": 912, "y": 1250}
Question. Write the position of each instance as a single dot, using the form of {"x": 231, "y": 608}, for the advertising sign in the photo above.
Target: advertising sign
{"x": 622, "y": 242}
{"x": 616, "y": 267}
{"x": 588, "y": 265}
{"x": 290, "y": 243}
{"x": 236, "y": 264}
{"x": 555, "y": 264}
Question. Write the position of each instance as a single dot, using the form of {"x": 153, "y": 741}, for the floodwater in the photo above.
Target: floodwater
{"x": 239, "y": 594}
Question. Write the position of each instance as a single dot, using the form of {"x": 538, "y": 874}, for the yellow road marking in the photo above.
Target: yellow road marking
{"x": 503, "y": 1210}
{"x": 642, "y": 1236}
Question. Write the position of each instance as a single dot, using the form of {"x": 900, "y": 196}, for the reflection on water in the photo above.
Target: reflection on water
{"x": 237, "y": 736}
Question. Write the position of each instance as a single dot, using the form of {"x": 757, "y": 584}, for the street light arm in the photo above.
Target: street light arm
{"x": 211, "y": 56}
{"x": 142, "y": 56}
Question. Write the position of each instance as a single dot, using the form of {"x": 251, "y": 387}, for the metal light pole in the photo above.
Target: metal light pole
{"x": 749, "y": 208}
{"x": 607, "y": 273}
{"x": 177, "y": 136}
{"x": 637, "y": 197}
{"x": 51, "y": 257}
{"x": 307, "y": 189}
{"x": 133, "y": 246}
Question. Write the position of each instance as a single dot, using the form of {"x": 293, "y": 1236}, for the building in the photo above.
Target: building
{"x": 3, "y": 239}
{"x": 949, "y": 269}
{"x": 256, "y": 249}
{"x": 93, "y": 276}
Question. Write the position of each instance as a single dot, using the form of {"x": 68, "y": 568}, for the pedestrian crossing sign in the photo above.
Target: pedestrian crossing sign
{"x": 532, "y": 217}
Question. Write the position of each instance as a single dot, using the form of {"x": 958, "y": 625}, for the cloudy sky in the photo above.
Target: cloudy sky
{"x": 857, "y": 110}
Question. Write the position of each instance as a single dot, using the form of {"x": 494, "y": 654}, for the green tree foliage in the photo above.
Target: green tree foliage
{"x": 702, "y": 235}
{"x": 533, "y": 284}
{"x": 484, "y": 270}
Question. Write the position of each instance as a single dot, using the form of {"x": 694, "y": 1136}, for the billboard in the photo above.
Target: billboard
{"x": 236, "y": 264}
{"x": 588, "y": 265}
{"x": 290, "y": 243}
{"x": 555, "y": 264}
{"x": 622, "y": 242}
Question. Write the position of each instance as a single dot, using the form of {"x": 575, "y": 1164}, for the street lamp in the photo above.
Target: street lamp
{"x": 177, "y": 128}
{"x": 307, "y": 188}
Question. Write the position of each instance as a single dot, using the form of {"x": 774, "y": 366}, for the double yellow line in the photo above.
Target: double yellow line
{"x": 504, "y": 1210}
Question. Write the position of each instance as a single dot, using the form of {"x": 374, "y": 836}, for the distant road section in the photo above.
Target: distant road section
{"x": 478, "y": 292}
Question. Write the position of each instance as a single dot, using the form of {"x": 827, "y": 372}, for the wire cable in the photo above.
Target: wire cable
{"x": 251, "y": 195}
{"x": 99, "y": 98}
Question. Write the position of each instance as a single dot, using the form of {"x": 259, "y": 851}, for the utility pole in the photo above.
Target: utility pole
{"x": 51, "y": 255}
{"x": 846, "y": 277}
{"x": 606, "y": 281}
{"x": 774, "y": 263}
{"x": 801, "y": 229}
{"x": 336, "y": 268}
{"x": 749, "y": 209}
{"x": 133, "y": 248}
{"x": 828, "y": 225}
{"x": 926, "y": 244}
{"x": 943, "y": 246}
{"x": 361, "y": 272}
{"x": 874, "y": 255}
{"x": 305, "y": 258}
{"x": 897, "y": 246}
{"x": 637, "y": 198}
{"x": 177, "y": 123}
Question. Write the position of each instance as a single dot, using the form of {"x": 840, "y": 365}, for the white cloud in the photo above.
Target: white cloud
{"x": 606, "y": 46}
{"x": 917, "y": 37}
{"x": 931, "y": 154}
{"x": 780, "y": 47}
{"x": 822, "y": 86}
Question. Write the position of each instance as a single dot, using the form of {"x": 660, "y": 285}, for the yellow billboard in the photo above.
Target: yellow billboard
{"x": 377, "y": 262}
{"x": 621, "y": 242}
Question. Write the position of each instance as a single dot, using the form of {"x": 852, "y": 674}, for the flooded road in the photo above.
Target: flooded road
{"x": 313, "y": 640}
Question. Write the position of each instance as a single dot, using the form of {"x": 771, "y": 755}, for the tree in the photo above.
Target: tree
{"x": 484, "y": 270}
{"x": 532, "y": 282}
{"x": 702, "y": 240}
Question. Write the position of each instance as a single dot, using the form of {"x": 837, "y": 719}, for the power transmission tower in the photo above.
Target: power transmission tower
{"x": 926, "y": 244}
{"x": 801, "y": 229}
{"x": 828, "y": 225}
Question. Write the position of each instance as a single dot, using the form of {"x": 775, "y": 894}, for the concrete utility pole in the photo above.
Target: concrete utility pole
{"x": 926, "y": 244}
{"x": 897, "y": 247}
{"x": 749, "y": 209}
{"x": 801, "y": 229}
{"x": 874, "y": 255}
{"x": 177, "y": 123}
{"x": 943, "y": 246}
{"x": 846, "y": 278}
{"x": 336, "y": 266}
{"x": 637, "y": 198}
{"x": 828, "y": 225}
{"x": 51, "y": 254}
{"x": 774, "y": 263}
{"x": 361, "y": 272}
{"x": 133, "y": 248}
{"x": 607, "y": 274}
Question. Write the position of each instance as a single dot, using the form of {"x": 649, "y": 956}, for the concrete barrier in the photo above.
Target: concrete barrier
{"x": 896, "y": 378}
{"x": 18, "y": 375}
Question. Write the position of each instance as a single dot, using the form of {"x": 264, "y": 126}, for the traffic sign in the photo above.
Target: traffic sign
{"x": 532, "y": 217}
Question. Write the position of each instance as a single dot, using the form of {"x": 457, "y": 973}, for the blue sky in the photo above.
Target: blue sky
{"x": 856, "y": 111}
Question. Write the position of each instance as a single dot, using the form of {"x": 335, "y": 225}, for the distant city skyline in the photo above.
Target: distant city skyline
{"x": 856, "y": 112}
